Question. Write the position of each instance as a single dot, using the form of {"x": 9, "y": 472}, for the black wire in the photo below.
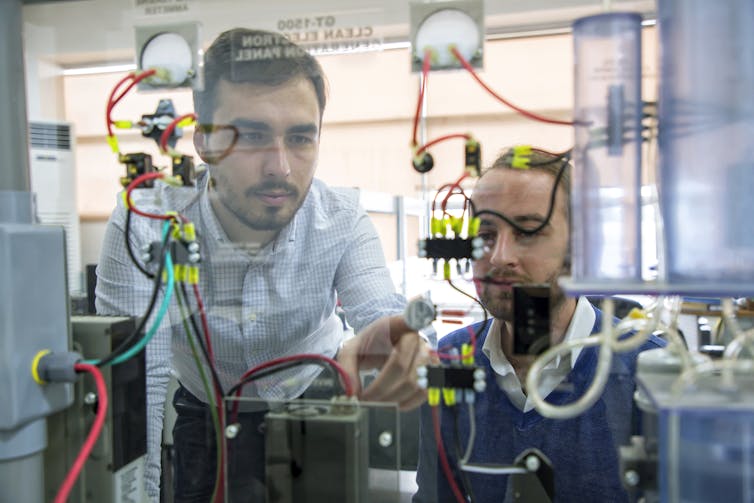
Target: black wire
{"x": 202, "y": 343}
{"x": 279, "y": 368}
{"x": 562, "y": 157}
{"x": 457, "y": 445}
{"x": 128, "y": 246}
{"x": 483, "y": 325}
{"x": 129, "y": 341}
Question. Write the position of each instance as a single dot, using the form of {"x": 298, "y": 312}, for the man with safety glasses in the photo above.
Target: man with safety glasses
{"x": 279, "y": 249}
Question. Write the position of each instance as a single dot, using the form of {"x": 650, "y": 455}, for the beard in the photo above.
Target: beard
{"x": 500, "y": 303}
{"x": 251, "y": 212}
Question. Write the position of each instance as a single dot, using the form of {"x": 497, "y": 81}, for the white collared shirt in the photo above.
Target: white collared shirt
{"x": 553, "y": 373}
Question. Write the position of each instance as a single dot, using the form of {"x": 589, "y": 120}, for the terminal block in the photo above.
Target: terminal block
{"x": 451, "y": 248}
{"x": 136, "y": 164}
{"x": 183, "y": 168}
{"x": 473, "y": 158}
{"x": 454, "y": 377}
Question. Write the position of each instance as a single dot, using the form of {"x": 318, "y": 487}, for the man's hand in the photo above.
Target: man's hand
{"x": 390, "y": 345}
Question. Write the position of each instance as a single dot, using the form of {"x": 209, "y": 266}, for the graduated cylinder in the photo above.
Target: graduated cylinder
{"x": 605, "y": 197}
{"x": 706, "y": 144}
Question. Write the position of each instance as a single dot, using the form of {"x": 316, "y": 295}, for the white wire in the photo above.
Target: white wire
{"x": 472, "y": 435}
{"x": 604, "y": 364}
{"x": 645, "y": 328}
{"x": 711, "y": 366}
{"x": 493, "y": 469}
{"x": 742, "y": 339}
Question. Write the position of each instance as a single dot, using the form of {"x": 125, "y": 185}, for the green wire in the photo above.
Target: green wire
{"x": 205, "y": 384}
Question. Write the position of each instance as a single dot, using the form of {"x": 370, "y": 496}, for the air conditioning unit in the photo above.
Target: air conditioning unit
{"x": 53, "y": 181}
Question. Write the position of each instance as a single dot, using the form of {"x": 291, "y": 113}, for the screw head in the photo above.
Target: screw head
{"x": 385, "y": 439}
{"x": 232, "y": 430}
{"x": 532, "y": 463}
{"x": 631, "y": 478}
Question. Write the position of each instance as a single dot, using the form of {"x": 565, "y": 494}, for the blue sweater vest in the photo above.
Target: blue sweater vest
{"x": 583, "y": 450}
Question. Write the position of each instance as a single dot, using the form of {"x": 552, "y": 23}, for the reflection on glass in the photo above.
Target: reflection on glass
{"x": 215, "y": 142}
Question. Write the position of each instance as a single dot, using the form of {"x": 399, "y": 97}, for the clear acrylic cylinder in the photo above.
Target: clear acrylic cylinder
{"x": 606, "y": 186}
{"x": 706, "y": 144}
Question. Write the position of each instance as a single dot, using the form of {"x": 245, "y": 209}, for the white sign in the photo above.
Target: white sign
{"x": 129, "y": 482}
{"x": 328, "y": 33}
{"x": 162, "y": 7}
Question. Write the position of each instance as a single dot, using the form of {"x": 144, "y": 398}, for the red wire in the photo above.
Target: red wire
{"x": 437, "y": 194}
{"x": 454, "y": 190}
{"x": 425, "y": 74}
{"x": 456, "y": 185}
{"x": 91, "y": 439}
{"x": 205, "y": 325}
{"x": 303, "y": 356}
{"x": 109, "y": 106}
{"x": 218, "y": 493}
{"x": 220, "y": 485}
{"x": 165, "y": 136}
{"x": 443, "y": 458}
{"x": 525, "y": 113}
{"x": 441, "y": 139}
{"x": 135, "y": 183}
{"x": 135, "y": 79}
{"x": 218, "y": 496}
{"x": 348, "y": 387}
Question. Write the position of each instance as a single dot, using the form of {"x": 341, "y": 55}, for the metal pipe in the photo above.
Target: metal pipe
{"x": 14, "y": 173}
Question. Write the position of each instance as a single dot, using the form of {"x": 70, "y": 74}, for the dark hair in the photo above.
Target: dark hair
{"x": 257, "y": 57}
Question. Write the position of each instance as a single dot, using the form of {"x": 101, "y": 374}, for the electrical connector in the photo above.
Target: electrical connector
{"x": 637, "y": 314}
{"x": 438, "y": 226}
{"x": 433, "y": 397}
{"x": 423, "y": 163}
{"x": 473, "y": 227}
{"x": 123, "y": 124}
{"x": 113, "y": 142}
{"x": 521, "y": 157}
{"x": 181, "y": 252}
{"x": 48, "y": 367}
{"x": 473, "y": 157}
{"x": 449, "y": 396}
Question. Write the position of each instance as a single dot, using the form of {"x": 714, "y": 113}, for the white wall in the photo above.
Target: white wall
{"x": 367, "y": 123}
